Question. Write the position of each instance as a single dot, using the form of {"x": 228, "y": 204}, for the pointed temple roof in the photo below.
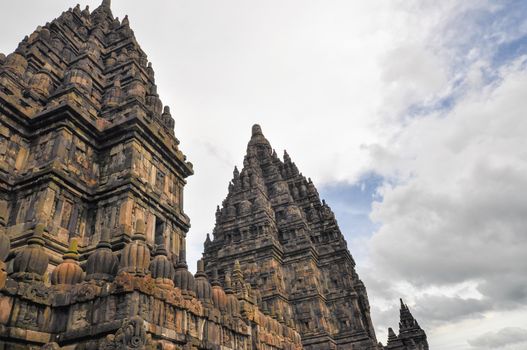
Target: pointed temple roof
{"x": 411, "y": 336}
{"x": 91, "y": 156}
{"x": 407, "y": 321}
{"x": 275, "y": 224}
{"x": 91, "y": 63}
{"x": 266, "y": 182}
{"x": 286, "y": 242}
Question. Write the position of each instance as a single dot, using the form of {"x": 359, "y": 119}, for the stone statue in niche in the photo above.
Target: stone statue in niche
{"x": 79, "y": 319}
{"x": 28, "y": 315}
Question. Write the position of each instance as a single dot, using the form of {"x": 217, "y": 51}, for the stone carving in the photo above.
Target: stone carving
{"x": 85, "y": 292}
{"x": 304, "y": 274}
{"x": 132, "y": 335}
{"x": 80, "y": 319}
{"x": 89, "y": 160}
{"x": 5, "y": 244}
{"x": 37, "y": 292}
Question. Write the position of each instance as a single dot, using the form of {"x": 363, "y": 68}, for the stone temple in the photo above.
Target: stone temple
{"x": 93, "y": 229}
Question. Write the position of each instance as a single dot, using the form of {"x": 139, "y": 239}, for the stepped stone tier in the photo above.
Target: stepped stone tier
{"x": 289, "y": 247}
{"x": 92, "y": 226}
{"x": 86, "y": 144}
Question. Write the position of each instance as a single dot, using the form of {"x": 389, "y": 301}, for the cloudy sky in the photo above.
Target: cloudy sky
{"x": 409, "y": 116}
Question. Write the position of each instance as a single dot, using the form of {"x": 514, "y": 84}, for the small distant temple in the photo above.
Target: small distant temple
{"x": 411, "y": 335}
{"x": 93, "y": 229}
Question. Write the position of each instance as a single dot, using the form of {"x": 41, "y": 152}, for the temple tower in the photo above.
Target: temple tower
{"x": 92, "y": 226}
{"x": 291, "y": 250}
{"x": 85, "y": 142}
{"x": 411, "y": 335}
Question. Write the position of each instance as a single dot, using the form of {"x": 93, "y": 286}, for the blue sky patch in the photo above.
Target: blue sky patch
{"x": 352, "y": 205}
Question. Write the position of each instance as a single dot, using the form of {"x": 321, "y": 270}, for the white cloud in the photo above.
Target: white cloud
{"x": 456, "y": 212}
{"x": 350, "y": 87}
{"x": 512, "y": 338}
{"x": 462, "y": 189}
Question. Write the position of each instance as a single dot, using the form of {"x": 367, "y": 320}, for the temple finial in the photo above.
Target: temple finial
{"x": 287, "y": 158}
{"x": 106, "y": 3}
{"x": 258, "y": 143}
{"x": 403, "y": 305}
{"x": 182, "y": 258}
{"x": 215, "y": 278}
{"x": 200, "y": 266}
{"x": 140, "y": 230}
{"x": 228, "y": 283}
{"x": 257, "y": 130}
{"x": 391, "y": 335}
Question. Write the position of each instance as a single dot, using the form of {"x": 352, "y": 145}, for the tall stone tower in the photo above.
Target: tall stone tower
{"x": 92, "y": 227}
{"x": 411, "y": 335}
{"x": 292, "y": 252}
{"x": 85, "y": 142}
{"x": 91, "y": 215}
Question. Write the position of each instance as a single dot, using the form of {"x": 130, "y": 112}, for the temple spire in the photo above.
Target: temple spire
{"x": 69, "y": 271}
{"x": 102, "y": 264}
{"x": 287, "y": 158}
{"x": 393, "y": 341}
{"x": 407, "y": 320}
{"x": 104, "y": 8}
{"x": 411, "y": 335}
{"x": 256, "y": 130}
{"x": 183, "y": 278}
{"x": 31, "y": 262}
{"x": 182, "y": 259}
{"x": 135, "y": 257}
{"x": 258, "y": 145}
{"x": 270, "y": 214}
